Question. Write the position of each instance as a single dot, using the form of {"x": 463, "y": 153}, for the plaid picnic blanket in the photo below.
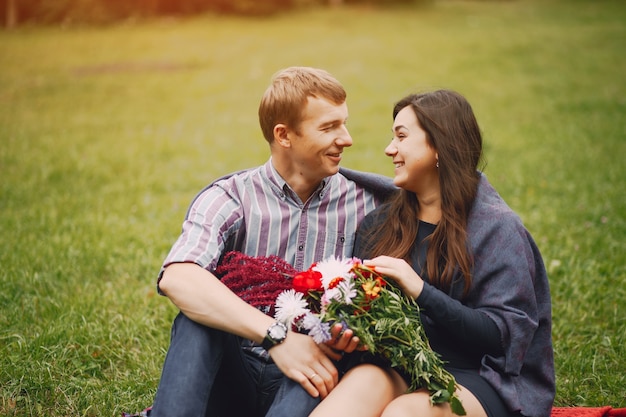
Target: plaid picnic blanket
{"x": 144, "y": 413}
{"x": 607, "y": 411}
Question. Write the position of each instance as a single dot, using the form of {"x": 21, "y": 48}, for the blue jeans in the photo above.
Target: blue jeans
{"x": 206, "y": 373}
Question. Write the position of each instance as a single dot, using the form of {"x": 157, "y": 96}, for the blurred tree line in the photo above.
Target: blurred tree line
{"x": 16, "y": 12}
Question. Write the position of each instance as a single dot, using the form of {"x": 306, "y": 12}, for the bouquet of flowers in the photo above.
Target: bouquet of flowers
{"x": 384, "y": 319}
{"x": 347, "y": 292}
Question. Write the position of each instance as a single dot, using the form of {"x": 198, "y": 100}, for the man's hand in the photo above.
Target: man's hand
{"x": 302, "y": 360}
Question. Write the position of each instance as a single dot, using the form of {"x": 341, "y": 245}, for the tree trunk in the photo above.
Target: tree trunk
{"x": 11, "y": 14}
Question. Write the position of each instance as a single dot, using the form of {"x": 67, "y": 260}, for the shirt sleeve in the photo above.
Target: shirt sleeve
{"x": 472, "y": 328}
{"x": 212, "y": 218}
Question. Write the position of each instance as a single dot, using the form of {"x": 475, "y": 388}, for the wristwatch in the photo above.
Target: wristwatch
{"x": 276, "y": 334}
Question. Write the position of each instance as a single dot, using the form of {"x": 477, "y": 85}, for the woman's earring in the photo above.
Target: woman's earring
{"x": 437, "y": 164}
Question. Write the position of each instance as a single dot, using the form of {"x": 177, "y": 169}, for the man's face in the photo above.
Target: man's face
{"x": 320, "y": 139}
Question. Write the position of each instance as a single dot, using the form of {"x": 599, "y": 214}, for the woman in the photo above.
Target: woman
{"x": 450, "y": 242}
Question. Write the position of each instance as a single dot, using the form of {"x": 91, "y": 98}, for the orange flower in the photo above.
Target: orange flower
{"x": 372, "y": 288}
{"x": 335, "y": 281}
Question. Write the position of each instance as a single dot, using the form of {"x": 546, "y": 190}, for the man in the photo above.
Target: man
{"x": 227, "y": 358}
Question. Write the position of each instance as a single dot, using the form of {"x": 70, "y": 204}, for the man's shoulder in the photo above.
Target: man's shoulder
{"x": 228, "y": 180}
{"x": 356, "y": 175}
{"x": 379, "y": 185}
{"x": 226, "y": 185}
{"x": 236, "y": 175}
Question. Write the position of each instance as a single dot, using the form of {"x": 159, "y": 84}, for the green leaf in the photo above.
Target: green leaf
{"x": 452, "y": 385}
{"x": 457, "y": 406}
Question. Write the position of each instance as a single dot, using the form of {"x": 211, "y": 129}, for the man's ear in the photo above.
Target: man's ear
{"x": 281, "y": 135}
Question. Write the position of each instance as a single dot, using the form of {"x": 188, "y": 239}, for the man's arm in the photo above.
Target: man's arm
{"x": 203, "y": 298}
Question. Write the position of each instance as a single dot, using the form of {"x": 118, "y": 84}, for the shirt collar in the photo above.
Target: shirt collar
{"x": 282, "y": 188}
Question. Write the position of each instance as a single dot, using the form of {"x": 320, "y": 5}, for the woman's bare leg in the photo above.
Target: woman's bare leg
{"x": 418, "y": 404}
{"x": 364, "y": 391}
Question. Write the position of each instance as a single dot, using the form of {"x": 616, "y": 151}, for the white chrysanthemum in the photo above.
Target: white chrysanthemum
{"x": 329, "y": 296}
{"x": 318, "y": 330}
{"x": 332, "y": 268}
{"x": 290, "y": 305}
{"x": 347, "y": 291}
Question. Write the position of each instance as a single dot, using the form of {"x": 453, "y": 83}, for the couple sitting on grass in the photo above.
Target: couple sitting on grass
{"x": 439, "y": 231}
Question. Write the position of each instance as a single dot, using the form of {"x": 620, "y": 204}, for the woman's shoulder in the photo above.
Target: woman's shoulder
{"x": 492, "y": 220}
{"x": 490, "y": 208}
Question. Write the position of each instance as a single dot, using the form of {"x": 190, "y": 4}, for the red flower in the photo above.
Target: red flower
{"x": 308, "y": 281}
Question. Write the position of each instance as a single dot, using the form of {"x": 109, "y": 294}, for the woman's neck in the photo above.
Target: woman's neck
{"x": 429, "y": 209}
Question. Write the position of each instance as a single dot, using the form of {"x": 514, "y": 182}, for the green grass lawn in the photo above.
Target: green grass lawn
{"x": 107, "y": 133}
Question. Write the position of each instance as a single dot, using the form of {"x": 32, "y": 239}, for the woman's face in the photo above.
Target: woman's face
{"x": 415, "y": 160}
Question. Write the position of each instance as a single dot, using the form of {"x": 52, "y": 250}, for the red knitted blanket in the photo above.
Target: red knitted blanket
{"x": 556, "y": 412}
{"x": 588, "y": 412}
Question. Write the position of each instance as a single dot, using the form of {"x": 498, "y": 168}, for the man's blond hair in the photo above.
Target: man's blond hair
{"x": 285, "y": 98}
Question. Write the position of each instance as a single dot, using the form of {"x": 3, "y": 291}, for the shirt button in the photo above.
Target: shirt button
{"x": 301, "y": 247}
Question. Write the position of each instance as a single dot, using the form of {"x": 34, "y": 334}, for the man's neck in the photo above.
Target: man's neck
{"x": 302, "y": 185}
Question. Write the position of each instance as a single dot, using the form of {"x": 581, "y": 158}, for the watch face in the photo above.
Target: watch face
{"x": 277, "y": 332}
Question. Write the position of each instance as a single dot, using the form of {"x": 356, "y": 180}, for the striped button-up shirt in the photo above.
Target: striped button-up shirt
{"x": 256, "y": 212}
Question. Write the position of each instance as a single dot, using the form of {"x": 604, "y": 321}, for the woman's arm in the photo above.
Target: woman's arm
{"x": 471, "y": 327}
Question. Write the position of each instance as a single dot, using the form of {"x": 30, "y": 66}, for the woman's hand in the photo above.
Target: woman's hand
{"x": 400, "y": 271}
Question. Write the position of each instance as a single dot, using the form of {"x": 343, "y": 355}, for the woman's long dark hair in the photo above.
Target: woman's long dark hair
{"x": 452, "y": 130}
